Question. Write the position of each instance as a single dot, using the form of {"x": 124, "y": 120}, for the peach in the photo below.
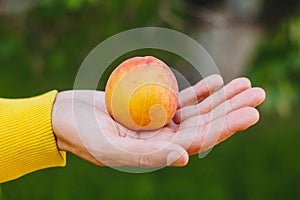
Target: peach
{"x": 142, "y": 93}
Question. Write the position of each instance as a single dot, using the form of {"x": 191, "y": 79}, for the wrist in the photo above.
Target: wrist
{"x": 57, "y": 126}
{"x": 63, "y": 123}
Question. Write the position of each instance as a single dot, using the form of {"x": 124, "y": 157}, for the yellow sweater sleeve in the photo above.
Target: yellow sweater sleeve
{"x": 27, "y": 142}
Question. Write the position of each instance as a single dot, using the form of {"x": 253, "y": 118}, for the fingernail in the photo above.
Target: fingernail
{"x": 172, "y": 158}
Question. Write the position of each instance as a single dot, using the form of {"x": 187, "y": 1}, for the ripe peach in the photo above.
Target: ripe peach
{"x": 142, "y": 93}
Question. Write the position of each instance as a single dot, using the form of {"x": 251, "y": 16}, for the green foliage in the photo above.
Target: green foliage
{"x": 69, "y": 4}
{"x": 276, "y": 67}
{"x": 48, "y": 44}
{"x": 1, "y": 194}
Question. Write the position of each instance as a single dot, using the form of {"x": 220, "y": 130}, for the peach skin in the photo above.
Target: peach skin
{"x": 142, "y": 93}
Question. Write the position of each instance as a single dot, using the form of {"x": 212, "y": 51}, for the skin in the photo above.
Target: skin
{"x": 196, "y": 127}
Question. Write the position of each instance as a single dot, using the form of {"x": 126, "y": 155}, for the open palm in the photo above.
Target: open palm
{"x": 83, "y": 126}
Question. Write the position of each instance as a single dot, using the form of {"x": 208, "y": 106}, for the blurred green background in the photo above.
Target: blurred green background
{"x": 42, "y": 45}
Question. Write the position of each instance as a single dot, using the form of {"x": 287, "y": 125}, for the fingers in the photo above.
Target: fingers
{"x": 143, "y": 153}
{"x": 201, "y": 138}
{"x": 236, "y": 121}
{"x": 230, "y": 90}
{"x": 166, "y": 155}
{"x": 202, "y": 89}
{"x": 248, "y": 98}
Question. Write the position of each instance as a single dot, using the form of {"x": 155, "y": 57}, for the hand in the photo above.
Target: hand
{"x": 220, "y": 114}
{"x": 195, "y": 127}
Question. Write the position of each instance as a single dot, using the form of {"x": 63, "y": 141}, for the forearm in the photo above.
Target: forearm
{"x": 27, "y": 142}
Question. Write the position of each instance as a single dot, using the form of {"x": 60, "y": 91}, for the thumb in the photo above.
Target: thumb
{"x": 151, "y": 154}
